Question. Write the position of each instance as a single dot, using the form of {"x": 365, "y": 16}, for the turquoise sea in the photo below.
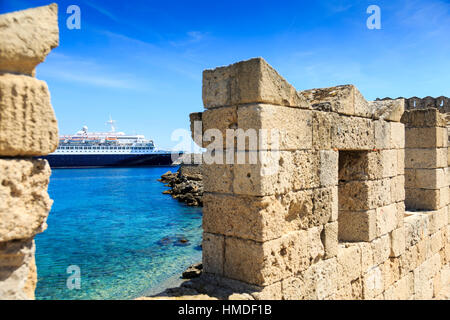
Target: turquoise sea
{"x": 119, "y": 229}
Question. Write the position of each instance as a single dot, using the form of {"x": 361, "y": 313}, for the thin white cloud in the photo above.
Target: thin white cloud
{"x": 421, "y": 14}
{"x": 87, "y": 72}
{"x": 182, "y": 62}
{"x": 337, "y": 6}
{"x": 102, "y": 10}
{"x": 130, "y": 40}
{"x": 192, "y": 37}
{"x": 86, "y": 79}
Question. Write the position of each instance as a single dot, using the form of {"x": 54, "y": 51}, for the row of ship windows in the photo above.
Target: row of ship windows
{"x": 105, "y": 148}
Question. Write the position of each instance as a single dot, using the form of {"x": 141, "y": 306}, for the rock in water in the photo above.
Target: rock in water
{"x": 186, "y": 184}
{"x": 193, "y": 271}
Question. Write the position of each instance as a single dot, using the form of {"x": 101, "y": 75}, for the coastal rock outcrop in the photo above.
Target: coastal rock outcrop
{"x": 186, "y": 185}
{"x": 193, "y": 271}
{"x": 28, "y": 128}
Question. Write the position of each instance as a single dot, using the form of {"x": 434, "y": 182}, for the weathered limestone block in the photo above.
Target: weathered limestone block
{"x": 349, "y": 263}
{"x": 373, "y": 283}
{"x": 398, "y": 189}
{"x": 329, "y": 164}
{"x": 301, "y": 287}
{"x": 401, "y": 213}
{"x": 423, "y": 138}
{"x": 28, "y": 125}
{"x": 364, "y": 195}
{"x": 340, "y": 99}
{"x": 218, "y": 178}
{"x": 389, "y": 160}
{"x": 251, "y": 81}
{"x": 426, "y": 158}
{"x": 357, "y": 225}
{"x": 369, "y": 165}
{"x": 269, "y": 262}
{"x": 409, "y": 259}
{"x": 397, "y": 135}
{"x": 196, "y": 126}
{"x": 436, "y": 220}
{"x": 330, "y": 239}
{"x": 24, "y": 201}
{"x": 430, "y": 179}
{"x": 423, "y": 118}
{"x": 448, "y": 157}
{"x": 17, "y": 270}
{"x": 360, "y": 165}
{"x": 315, "y": 245}
{"x": 426, "y": 199}
{"x": 390, "y": 270}
{"x": 400, "y": 161}
{"x": 367, "y": 261}
{"x": 350, "y": 291}
{"x": 276, "y": 172}
{"x": 445, "y": 276}
{"x": 267, "y": 218}
{"x": 423, "y": 251}
{"x": 386, "y": 219}
{"x": 213, "y": 247}
{"x": 326, "y": 278}
{"x": 256, "y": 127}
{"x": 436, "y": 242}
{"x": 447, "y": 175}
{"x": 353, "y": 133}
{"x": 292, "y": 126}
{"x": 318, "y": 282}
{"x": 382, "y": 133}
{"x": 335, "y": 204}
{"x": 27, "y": 37}
{"x": 220, "y": 120}
{"x": 347, "y": 100}
{"x": 423, "y": 277}
{"x": 403, "y": 289}
{"x": 398, "y": 242}
{"x": 389, "y": 110}
{"x": 410, "y": 178}
{"x": 322, "y": 129}
{"x": 381, "y": 249}
{"x": 272, "y": 292}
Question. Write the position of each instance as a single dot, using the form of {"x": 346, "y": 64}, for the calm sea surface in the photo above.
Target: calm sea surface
{"x": 119, "y": 229}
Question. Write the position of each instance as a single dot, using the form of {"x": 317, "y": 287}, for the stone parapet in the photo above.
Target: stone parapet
{"x": 318, "y": 212}
{"x": 28, "y": 128}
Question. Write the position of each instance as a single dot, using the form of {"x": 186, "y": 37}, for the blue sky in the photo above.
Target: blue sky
{"x": 142, "y": 61}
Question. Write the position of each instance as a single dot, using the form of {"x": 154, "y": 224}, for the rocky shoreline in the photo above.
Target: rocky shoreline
{"x": 186, "y": 185}
{"x": 193, "y": 271}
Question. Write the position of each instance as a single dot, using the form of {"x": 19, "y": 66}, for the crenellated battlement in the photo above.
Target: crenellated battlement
{"x": 320, "y": 213}
{"x": 440, "y": 103}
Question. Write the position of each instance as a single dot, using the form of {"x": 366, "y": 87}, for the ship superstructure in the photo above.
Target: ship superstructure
{"x": 99, "y": 149}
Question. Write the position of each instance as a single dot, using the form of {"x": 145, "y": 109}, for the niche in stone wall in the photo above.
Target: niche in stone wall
{"x": 356, "y": 218}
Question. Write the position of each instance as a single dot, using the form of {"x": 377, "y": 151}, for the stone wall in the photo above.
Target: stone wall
{"x": 426, "y": 151}
{"x": 320, "y": 212}
{"x": 28, "y": 128}
{"x": 441, "y": 103}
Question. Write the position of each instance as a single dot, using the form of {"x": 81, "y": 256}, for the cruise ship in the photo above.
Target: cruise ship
{"x": 108, "y": 149}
